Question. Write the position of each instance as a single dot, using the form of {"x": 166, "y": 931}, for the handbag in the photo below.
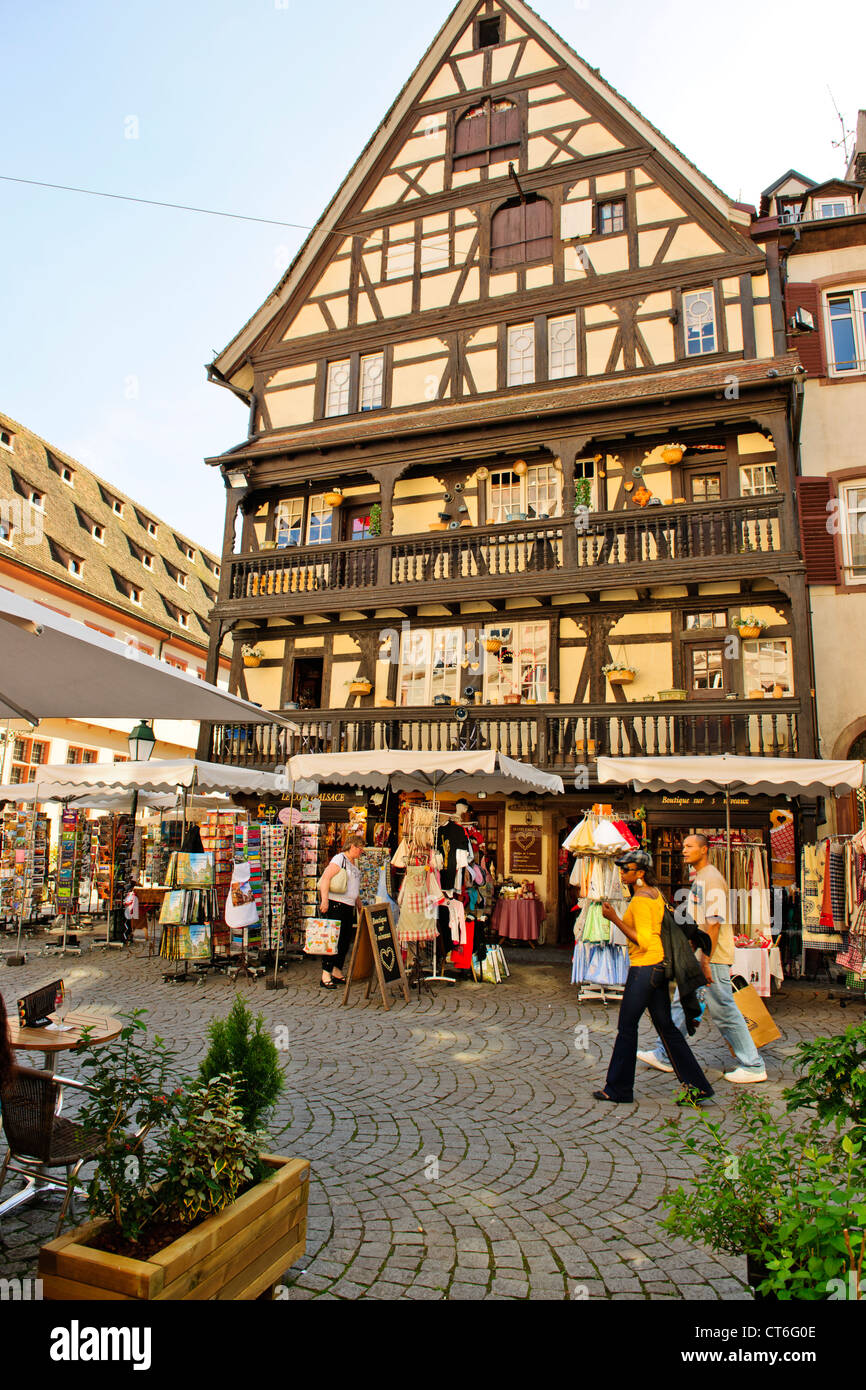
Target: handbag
{"x": 339, "y": 883}
{"x": 321, "y": 937}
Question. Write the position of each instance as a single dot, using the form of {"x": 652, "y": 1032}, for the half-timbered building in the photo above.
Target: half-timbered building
{"x": 520, "y": 410}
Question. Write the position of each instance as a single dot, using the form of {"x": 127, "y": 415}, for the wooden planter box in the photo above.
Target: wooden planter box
{"x": 236, "y": 1255}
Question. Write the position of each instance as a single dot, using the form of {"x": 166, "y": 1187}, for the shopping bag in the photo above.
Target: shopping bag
{"x": 321, "y": 937}
{"x": 762, "y": 1029}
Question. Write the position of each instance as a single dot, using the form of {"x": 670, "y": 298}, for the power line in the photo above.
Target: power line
{"x": 154, "y": 203}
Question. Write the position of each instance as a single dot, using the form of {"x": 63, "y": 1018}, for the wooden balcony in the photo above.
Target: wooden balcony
{"x": 558, "y": 738}
{"x": 596, "y": 549}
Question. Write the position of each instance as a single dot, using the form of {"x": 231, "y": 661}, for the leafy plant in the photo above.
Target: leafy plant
{"x": 132, "y": 1099}
{"x": 256, "y": 653}
{"x": 376, "y": 519}
{"x": 834, "y": 1083}
{"x": 617, "y": 666}
{"x": 240, "y": 1045}
{"x": 582, "y": 493}
{"x": 752, "y": 621}
{"x": 212, "y": 1156}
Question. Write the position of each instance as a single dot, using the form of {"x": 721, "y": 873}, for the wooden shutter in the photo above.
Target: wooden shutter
{"x": 810, "y": 346}
{"x": 817, "y": 540}
{"x": 539, "y": 230}
{"x": 471, "y": 139}
{"x": 508, "y": 237}
{"x": 504, "y": 132}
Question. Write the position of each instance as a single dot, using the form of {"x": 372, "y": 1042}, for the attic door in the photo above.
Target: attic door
{"x": 487, "y": 134}
{"x": 522, "y": 232}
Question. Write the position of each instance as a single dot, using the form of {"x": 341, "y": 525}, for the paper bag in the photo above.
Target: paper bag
{"x": 762, "y": 1029}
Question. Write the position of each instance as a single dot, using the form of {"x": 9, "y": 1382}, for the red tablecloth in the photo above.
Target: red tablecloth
{"x": 518, "y": 919}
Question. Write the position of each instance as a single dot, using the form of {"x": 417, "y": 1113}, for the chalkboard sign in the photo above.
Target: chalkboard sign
{"x": 376, "y": 923}
{"x": 525, "y": 849}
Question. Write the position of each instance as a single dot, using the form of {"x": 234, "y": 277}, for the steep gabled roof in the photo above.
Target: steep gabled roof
{"x": 791, "y": 174}
{"x": 232, "y": 357}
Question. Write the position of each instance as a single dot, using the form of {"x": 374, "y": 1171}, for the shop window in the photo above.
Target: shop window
{"x": 766, "y": 665}
{"x": 757, "y": 479}
{"x": 561, "y": 347}
{"x": 699, "y": 316}
{"x": 288, "y": 527}
{"x": 521, "y": 666}
{"x": 521, "y": 232}
{"x": 708, "y": 666}
{"x": 521, "y": 354}
{"x": 337, "y": 394}
{"x": 321, "y": 520}
{"x": 487, "y": 134}
{"x": 610, "y": 218}
{"x": 705, "y": 620}
{"x": 852, "y": 513}
{"x": 372, "y": 379}
{"x": 845, "y": 312}
{"x": 538, "y": 493}
{"x": 430, "y": 665}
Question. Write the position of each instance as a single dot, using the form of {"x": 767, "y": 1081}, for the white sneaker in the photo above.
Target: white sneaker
{"x": 743, "y": 1077}
{"x": 652, "y": 1060}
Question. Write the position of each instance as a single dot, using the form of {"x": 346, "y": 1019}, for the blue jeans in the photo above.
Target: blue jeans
{"x": 722, "y": 1009}
{"x": 647, "y": 988}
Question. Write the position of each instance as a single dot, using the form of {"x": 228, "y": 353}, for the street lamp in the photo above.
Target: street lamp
{"x": 141, "y": 742}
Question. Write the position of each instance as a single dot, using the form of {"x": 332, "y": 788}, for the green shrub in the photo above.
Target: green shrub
{"x": 212, "y": 1156}
{"x": 240, "y": 1045}
{"x": 835, "y": 1078}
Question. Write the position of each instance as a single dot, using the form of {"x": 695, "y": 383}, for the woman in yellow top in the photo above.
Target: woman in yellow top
{"x": 646, "y": 987}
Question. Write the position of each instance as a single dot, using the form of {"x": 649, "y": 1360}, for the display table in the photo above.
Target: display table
{"x": 518, "y": 919}
{"x": 759, "y": 966}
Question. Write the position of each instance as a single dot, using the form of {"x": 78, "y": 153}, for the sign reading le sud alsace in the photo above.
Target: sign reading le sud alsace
{"x": 525, "y": 849}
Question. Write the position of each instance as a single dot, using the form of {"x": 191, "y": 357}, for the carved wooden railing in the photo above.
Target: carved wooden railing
{"x": 554, "y": 737}
{"x": 666, "y": 534}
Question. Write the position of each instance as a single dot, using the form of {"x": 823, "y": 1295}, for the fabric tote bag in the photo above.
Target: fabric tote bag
{"x": 340, "y": 882}
{"x": 321, "y": 937}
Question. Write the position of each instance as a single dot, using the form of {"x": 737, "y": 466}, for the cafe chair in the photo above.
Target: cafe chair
{"x": 40, "y": 1140}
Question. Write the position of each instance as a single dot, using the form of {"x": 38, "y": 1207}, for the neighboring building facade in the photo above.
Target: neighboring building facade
{"x": 542, "y": 360}
{"x": 84, "y": 549}
{"x": 816, "y": 233}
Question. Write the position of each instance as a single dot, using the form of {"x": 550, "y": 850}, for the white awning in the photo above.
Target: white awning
{"x": 762, "y": 776}
{"x": 61, "y": 782}
{"x": 56, "y": 668}
{"x": 469, "y": 772}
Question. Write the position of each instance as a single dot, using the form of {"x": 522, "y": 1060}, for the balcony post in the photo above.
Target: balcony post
{"x": 567, "y": 451}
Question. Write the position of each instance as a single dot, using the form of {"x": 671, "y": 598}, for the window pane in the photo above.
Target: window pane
{"x": 707, "y": 669}
{"x": 531, "y": 659}
{"x": 700, "y": 620}
{"x": 562, "y": 347}
{"x": 757, "y": 479}
{"x": 337, "y": 400}
{"x": 447, "y": 644}
{"x": 842, "y": 332}
{"x": 521, "y": 354}
{"x": 611, "y": 217}
{"x": 504, "y": 496}
{"x": 372, "y": 373}
{"x": 287, "y": 530}
{"x": 767, "y": 664}
{"x": 321, "y": 519}
{"x": 700, "y": 321}
{"x": 542, "y": 491}
{"x": 854, "y": 538}
{"x": 415, "y": 668}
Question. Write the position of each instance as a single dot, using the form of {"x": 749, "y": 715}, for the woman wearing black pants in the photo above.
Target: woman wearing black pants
{"x": 646, "y": 987}
{"x": 341, "y": 907}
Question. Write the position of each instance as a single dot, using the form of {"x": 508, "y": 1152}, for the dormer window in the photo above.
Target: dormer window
{"x": 98, "y": 533}
{"x": 68, "y": 476}
{"x": 37, "y": 500}
{"x": 147, "y": 560}
{"x": 337, "y": 394}
{"x": 832, "y": 207}
{"x": 7, "y": 439}
{"x": 134, "y": 594}
{"x": 76, "y": 567}
{"x": 489, "y": 32}
{"x": 487, "y": 134}
{"x": 699, "y": 315}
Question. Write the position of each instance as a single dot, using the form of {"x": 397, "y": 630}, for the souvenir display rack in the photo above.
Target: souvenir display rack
{"x": 600, "y": 962}
{"x": 24, "y": 858}
{"x": 188, "y": 915}
{"x": 114, "y": 871}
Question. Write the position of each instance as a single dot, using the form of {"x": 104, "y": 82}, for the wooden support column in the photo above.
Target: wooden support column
{"x": 218, "y": 629}
{"x": 567, "y": 450}
{"x": 777, "y": 426}
{"x": 386, "y": 477}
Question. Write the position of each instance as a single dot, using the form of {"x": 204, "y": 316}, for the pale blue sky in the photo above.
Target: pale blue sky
{"x": 110, "y": 310}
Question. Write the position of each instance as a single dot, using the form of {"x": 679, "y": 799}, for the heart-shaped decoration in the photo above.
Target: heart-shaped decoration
{"x": 524, "y": 841}
{"x": 387, "y": 957}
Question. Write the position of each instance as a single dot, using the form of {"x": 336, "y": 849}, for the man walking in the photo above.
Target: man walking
{"x": 708, "y": 907}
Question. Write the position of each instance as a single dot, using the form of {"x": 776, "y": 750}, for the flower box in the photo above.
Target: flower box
{"x": 673, "y": 694}
{"x": 360, "y": 687}
{"x": 512, "y": 699}
{"x": 237, "y": 1254}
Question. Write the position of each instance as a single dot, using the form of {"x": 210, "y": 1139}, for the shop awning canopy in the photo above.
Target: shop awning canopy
{"x": 469, "y": 772}
{"x": 57, "y": 668}
{"x": 62, "y": 782}
{"x": 762, "y": 776}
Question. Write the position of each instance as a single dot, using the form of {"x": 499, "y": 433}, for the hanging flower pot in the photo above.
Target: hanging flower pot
{"x": 252, "y": 656}
{"x": 619, "y": 675}
{"x": 750, "y": 626}
{"x": 360, "y": 687}
{"x": 519, "y": 467}
{"x": 493, "y": 644}
{"x": 333, "y": 499}
{"x": 672, "y": 453}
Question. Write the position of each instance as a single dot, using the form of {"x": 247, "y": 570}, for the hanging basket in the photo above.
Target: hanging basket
{"x": 749, "y": 630}
{"x": 333, "y": 499}
{"x": 252, "y": 661}
{"x": 493, "y": 644}
{"x": 620, "y": 677}
{"x": 360, "y": 687}
{"x": 673, "y": 453}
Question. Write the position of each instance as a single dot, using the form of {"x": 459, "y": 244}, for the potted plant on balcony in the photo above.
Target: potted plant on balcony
{"x": 252, "y": 656}
{"x": 618, "y": 673}
{"x": 188, "y": 1207}
{"x": 672, "y": 453}
{"x": 673, "y": 694}
{"x": 360, "y": 686}
{"x": 750, "y": 626}
{"x": 334, "y": 498}
{"x": 582, "y": 494}
{"x": 376, "y": 519}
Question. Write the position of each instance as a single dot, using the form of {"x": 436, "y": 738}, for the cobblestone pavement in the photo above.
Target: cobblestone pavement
{"x": 455, "y": 1146}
